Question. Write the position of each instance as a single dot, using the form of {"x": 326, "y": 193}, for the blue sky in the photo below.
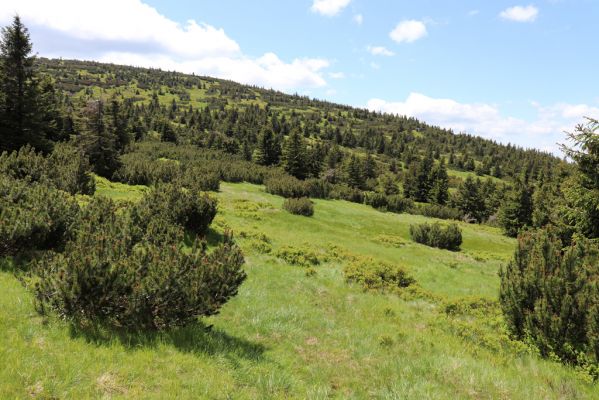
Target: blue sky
{"x": 519, "y": 72}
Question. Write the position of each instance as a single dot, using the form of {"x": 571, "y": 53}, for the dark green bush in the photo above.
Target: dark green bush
{"x": 398, "y": 204}
{"x": 435, "y": 211}
{"x": 302, "y": 206}
{"x": 66, "y": 168}
{"x": 200, "y": 180}
{"x": 69, "y": 170}
{"x": 286, "y": 186}
{"x": 376, "y": 200}
{"x": 371, "y": 274}
{"x": 344, "y": 192}
{"x": 107, "y": 276}
{"x": 33, "y": 216}
{"x": 435, "y": 235}
{"x": 550, "y": 297}
{"x": 190, "y": 210}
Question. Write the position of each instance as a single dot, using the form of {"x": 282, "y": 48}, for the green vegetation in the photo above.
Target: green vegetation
{"x": 302, "y": 206}
{"x": 126, "y": 282}
{"x": 435, "y": 235}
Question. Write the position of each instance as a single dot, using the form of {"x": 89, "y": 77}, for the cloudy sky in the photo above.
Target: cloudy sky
{"x": 514, "y": 72}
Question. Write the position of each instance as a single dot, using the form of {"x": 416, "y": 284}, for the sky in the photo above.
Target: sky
{"x": 512, "y": 71}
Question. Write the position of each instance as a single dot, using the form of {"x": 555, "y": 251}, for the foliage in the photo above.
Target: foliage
{"x": 106, "y": 276}
{"x": 300, "y": 256}
{"x": 167, "y": 202}
{"x": 287, "y": 186}
{"x": 299, "y": 206}
{"x": 549, "y": 296}
{"x": 516, "y": 211}
{"x": 435, "y": 211}
{"x": 33, "y": 216}
{"x": 371, "y": 274}
{"x": 66, "y": 168}
{"x": 435, "y": 235}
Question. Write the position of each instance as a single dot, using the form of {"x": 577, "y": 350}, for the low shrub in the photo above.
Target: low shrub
{"x": 398, "y": 204}
{"x": 302, "y": 206}
{"x": 436, "y": 211}
{"x": 108, "y": 276}
{"x": 435, "y": 235}
{"x": 376, "y": 200}
{"x": 286, "y": 186}
{"x": 303, "y": 257}
{"x": 66, "y": 168}
{"x": 344, "y": 192}
{"x": 33, "y": 216}
{"x": 371, "y": 274}
{"x": 175, "y": 205}
{"x": 550, "y": 297}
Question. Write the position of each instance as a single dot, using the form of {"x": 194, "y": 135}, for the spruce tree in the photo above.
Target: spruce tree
{"x": 439, "y": 192}
{"x": 516, "y": 210}
{"x": 268, "y": 149}
{"x": 470, "y": 201}
{"x": 294, "y": 155}
{"x": 19, "y": 117}
{"x": 97, "y": 140}
{"x": 354, "y": 172}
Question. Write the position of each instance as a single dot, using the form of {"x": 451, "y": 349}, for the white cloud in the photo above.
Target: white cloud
{"x": 329, "y": 8}
{"x": 408, "y": 31}
{"x": 358, "y": 19}
{"x": 379, "y": 51}
{"x": 543, "y": 132}
{"x": 337, "y": 75}
{"x": 374, "y": 65}
{"x": 520, "y": 13}
{"x": 139, "y": 35}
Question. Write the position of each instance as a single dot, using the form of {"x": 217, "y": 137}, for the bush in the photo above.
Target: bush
{"x": 344, "y": 192}
{"x": 70, "y": 170}
{"x": 435, "y": 211}
{"x": 33, "y": 216}
{"x": 175, "y": 205}
{"x": 286, "y": 186}
{"x": 398, "y": 204}
{"x": 550, "y": 297}
{"x": 302, "y": 206}
{"x": 371, "y": 274}
{"x": 303, "y": 257}
{"x": 107, "y": 276}
{"x": 375, "y": 200}
{"x": 435, "y": 235}
{"x": 66, "y": 168}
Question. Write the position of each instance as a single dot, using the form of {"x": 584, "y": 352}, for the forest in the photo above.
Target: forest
{"x": 138, "y": 204}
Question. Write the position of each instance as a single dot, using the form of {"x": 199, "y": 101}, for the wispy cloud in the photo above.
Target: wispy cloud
{"x": 520, "y": 13}
{"x": 329, "y": 8}
{"x": 408, "y": 31}
{"x": 543, "y": 132}
{"x": 92, "y": 30}
{"x": 379, "y": 51}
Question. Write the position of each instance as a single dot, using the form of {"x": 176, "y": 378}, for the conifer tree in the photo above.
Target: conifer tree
{"x": 19, "y": 117}
{"x": 268, "y": 149}
{"x": 355, "y": 174}
{"x": 97, "y": 140}
{"x": 439, "y": 192}
{"x": 516, "y": 210}
{"x": 294, "y": 155}
{"x": 470, "y": 201}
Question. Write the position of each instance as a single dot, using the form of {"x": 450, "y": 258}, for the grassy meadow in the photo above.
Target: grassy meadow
{"x": 298, "y": 332}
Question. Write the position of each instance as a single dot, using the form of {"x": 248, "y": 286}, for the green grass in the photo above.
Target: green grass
{"x": 289, "y": 335}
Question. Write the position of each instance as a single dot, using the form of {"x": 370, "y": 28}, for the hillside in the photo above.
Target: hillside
{"x": 289, "y": 334}
{"x": 165, "y": 235}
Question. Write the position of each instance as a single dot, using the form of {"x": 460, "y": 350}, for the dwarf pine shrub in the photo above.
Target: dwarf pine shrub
{"x": 108, "y": 275}
{"x": 550, "y": 297}
{"x": 435, "y": 235}
{"x": 302, "y": 206}
{"x": 371, "y": 274}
